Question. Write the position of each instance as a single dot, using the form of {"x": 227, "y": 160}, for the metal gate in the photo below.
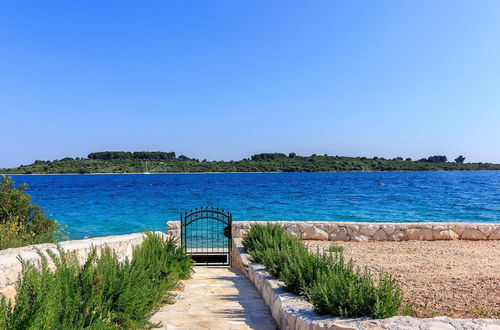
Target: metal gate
{"x": 206, "y": 235}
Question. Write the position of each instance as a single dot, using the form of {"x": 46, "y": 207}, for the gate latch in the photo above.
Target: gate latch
{"x": 227, "y": 231}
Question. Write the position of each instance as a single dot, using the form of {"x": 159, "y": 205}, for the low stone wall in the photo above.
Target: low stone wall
{"x": 174, "y": 229}
{"x": 370, "y": 231}
{"x": 10, "y": 266}
{"x": 292, "y": 312}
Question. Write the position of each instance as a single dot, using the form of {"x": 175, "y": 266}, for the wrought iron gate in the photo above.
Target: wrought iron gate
{"x": 206, "y": 235}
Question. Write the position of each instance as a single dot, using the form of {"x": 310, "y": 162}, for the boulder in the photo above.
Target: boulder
{"x": 495, "y": 235}
{"x": 369, "y": 230}
{"x": 388, "y": 228}
{"x": 339, "y": 234}
{"x": 293, "y": 230}
{"x": 380, "y": 235}
{"x": 314, "y": 233}
{"x": 473, "y": 234}
{"x": 398, "y": 235}
{"x": 445, "y": 234}
{"x": 420, "y": 234}
{"x": 487, "y": 230}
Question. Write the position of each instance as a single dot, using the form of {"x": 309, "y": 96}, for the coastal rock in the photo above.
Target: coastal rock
{"x": 380, "y": 235}
{"x": 423, "y": 234}
{"x": 173, "y": 225}
{"x": 175, "y": 233}
{"x": 359, "y": 237}
{"x": 459, "y": 229}
{"x": 315, "y": 233}
{"x": 388, "y": 228}
{"x": 445, "y": 234}
{"x": 398, "y": 235}
{"x": 369, "y": 230}
{"x": 487, "y": 229}
{"x": 473, "y": 234}
{"x": 293, "y": 230}
{"x": 339, "y": 234}
{"x": 352, "y": 230}
{"x": 495, "y": 235}
{"x": 303, "y": 226}
{"x": 329, "y": 227}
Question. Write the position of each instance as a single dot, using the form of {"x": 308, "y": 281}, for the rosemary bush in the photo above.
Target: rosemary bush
{"x": 331, "y": 284}
{"x": 103, "y": 293}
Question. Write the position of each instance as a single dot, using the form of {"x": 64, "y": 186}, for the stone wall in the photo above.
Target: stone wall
{"x": 174, "y": 228}
{"x": 370, "y": 231}
{"x": 10, "y": 266}
{"x": 293, "y": 312}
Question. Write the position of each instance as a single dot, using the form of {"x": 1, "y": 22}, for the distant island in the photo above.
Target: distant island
{"x": 168, "y": 162}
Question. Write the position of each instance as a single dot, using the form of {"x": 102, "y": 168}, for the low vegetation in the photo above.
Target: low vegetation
{"x": 21, "y": 222}
{"x": 162, "y": 162}
{"x": 333, "y": 285}
{"x": 103, "y": 293}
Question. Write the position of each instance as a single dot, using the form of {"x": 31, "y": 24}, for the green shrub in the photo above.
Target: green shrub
{"x": 21, "y": 222}
{"x": 265, "y": 243}
{"x": 301, "y": 268}
{"x": 334, "y": 286}
{"x": 103, "y": 293}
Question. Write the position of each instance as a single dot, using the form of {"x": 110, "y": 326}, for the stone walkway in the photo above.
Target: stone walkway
{"x": 216, "y": 298}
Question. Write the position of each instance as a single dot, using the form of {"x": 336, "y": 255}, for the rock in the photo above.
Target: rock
{"x": 487, "y": 229}
{"x": 459, "y": 229}
{"x": 380, "y": 235}
{"x": 369, "y": 230}
{"x": 329, "y": 227}
{"x": 446, "y": 234}
{"x": 359, "y": 237}
{"x": 314, "y": 233}
{"x": 9, "y": 292}
{"x": 438, "y": 325}
{"x": 495, "y": 235}
{"x": 173, "y": 225}
{"x": 388, "y": 228}
{"x": 420, "y": 234}
{"x": 293, "y": 230}
{"x": 473, "y": 234}
{"x": 352, "y": 230}
{"x": 398, "y": 235}
{"x": 303, "y": 226}
{"x": 339, "y": 234}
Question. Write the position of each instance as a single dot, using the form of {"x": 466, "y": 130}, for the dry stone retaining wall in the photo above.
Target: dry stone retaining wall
{"x": 370, "y": 231}
{"x": 10, "y": 266}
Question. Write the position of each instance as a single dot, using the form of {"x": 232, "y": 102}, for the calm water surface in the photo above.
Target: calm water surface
{"x": 97, "y": 205}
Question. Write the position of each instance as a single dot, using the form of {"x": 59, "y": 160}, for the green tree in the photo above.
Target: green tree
{"x": 460, "y": 159}
{"x": 21, "y": 222}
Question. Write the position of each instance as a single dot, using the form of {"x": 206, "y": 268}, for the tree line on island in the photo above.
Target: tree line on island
{"x": 166, "y": 162}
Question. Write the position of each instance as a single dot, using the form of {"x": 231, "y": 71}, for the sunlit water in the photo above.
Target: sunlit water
{"x": 98, "y": 205}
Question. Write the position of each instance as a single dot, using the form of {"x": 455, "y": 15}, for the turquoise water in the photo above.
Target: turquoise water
{"x": 98, "y": 205}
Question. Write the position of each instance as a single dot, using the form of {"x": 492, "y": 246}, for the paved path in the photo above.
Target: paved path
{"x": 216, "y": 298}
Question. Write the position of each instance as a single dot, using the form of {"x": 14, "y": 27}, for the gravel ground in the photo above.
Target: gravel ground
{"x": 459, "y": 279}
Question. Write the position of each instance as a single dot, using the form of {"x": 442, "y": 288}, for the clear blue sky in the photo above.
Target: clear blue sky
{"x": 226, "y": 79}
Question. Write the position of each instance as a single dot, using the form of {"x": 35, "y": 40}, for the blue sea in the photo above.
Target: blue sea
{"x": 98, "y": 205}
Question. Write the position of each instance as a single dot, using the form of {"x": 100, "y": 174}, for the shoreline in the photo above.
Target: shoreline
{"x": 431, "y": 171}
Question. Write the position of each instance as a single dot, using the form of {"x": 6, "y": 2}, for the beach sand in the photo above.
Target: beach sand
{"x": 459, "y": 279}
